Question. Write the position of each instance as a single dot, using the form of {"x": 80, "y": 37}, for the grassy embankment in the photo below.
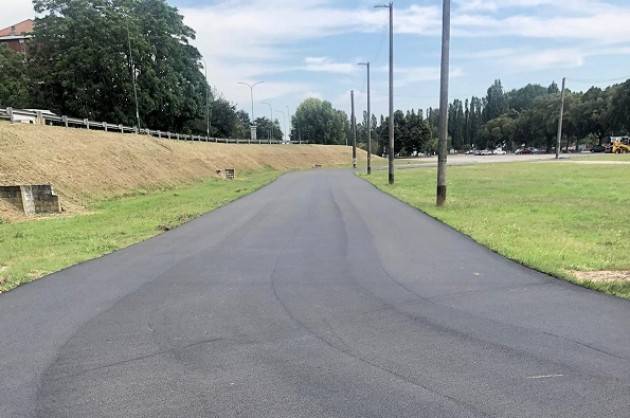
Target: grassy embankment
{"x": 557, "y": 218}
{"x": 29, "y": 250}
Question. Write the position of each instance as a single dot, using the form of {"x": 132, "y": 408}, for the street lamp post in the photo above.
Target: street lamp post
{"x": 251, "y": 91}
{"x": 271, "y": 110}
{"x": 132, "y": 65}
{"x": 289, "y": 125}
{"x": 133, "y": 73}
{"x": 369, "y": 120}
{"x": 390, "y": 6}
{"x": 354, "y": 130}
{"x": 205, "y": 67}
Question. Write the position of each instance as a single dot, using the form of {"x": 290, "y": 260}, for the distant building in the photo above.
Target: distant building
{"x": 15, "y": 36}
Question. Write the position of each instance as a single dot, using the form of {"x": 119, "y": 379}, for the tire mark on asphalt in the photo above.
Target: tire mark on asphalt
{"x": 134, "y": 359}
{"x": 347, "y": 351}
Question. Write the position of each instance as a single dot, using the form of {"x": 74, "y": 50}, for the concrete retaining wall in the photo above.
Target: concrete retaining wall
{"x": 31, "y": 199}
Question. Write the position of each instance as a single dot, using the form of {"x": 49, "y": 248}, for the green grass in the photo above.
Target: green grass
{"x": 29, "y": 250}
{"x": 556, "y": 218}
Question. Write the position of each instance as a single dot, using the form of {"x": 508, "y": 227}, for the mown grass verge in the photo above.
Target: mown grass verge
{"x": 556, "y": 218}
{"x": 32, "y": 249}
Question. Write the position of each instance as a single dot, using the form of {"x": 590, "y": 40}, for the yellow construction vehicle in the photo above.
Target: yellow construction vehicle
{"x": 620, "y": 145}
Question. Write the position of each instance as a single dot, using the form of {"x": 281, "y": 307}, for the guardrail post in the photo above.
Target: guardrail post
{"x": 39, "y": 119}
{"x": 86, "y": 123}
{"x": 10, "y": 113}
{"x": 65, "y": 121}
{"x": 177, "y": 136}
{"x": 159, "y": 134}
{"x": 105, "y": 126}
{"x": 135, "y": 129}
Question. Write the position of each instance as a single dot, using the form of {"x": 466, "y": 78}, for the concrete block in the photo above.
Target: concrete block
{"x": 31, "y": 199}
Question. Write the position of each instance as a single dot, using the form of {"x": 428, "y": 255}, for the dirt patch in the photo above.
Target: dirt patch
{"x": 87, "y": 165}
{"x": 603, "y": 276}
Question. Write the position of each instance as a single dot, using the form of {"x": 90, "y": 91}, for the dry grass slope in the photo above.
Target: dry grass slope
{"x": 86, "y": 165}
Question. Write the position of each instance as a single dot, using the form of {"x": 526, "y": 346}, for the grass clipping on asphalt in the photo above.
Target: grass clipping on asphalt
{"x": 30, "y": 250}
{"x": 568, "y": 220}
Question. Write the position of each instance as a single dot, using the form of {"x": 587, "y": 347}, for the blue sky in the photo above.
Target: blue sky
{"x": 303, "y": 48}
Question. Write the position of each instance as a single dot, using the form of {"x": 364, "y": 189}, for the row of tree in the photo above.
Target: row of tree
{"x": 527, "y": 116}
{"x": 530, "y": 116}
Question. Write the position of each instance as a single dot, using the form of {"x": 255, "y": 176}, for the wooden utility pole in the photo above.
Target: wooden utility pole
{"x": 369, "y": 120}
{"x": 391, "y": 147}
{"x": 443, "y": 141}
{"x": 564, "y": 82}
{"x": 354, "y": 131}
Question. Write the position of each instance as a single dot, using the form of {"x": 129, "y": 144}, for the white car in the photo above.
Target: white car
{"x": 499, "y": 151}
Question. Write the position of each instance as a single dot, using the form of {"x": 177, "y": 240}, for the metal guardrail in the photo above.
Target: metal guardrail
{"x": 45, "y": 118}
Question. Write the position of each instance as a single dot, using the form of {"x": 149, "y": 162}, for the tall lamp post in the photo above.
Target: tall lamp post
{"x": 205, "y": 67}
{"x": 284, "y": 124}
{"x": 390, "y": 6}
{"x": 133, "y": 73}
{"x": 251, "y": 92}
{"x": 271, "y": 110}
{"x": 132, "y": 65}
{"x": 289, "y": 125}
{"x": 369, "y": 120}
{"x": 354, "y": 130}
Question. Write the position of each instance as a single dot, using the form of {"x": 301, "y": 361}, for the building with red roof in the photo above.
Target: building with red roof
{"x": 15, "y": 36}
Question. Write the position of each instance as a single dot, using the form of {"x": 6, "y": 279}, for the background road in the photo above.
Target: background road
{"x": 318, "y": 296}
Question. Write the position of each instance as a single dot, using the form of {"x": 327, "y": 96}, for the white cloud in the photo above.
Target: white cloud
{"x": 526, "y": 60}
{"x": 550, "y": 58}
{"x": 409, "y": 75}
{"x": 327, "y": 65}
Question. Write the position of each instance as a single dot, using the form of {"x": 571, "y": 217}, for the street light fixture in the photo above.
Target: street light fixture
{"x": 251, "y": 91}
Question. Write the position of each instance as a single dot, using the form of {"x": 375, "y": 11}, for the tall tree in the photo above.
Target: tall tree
{"x": 86, "y": 54}
{"x": 14, "y": 81}
{"x": 320, "y": 123}
{"x": 495, "y": 103}
{"x": 264, "y": 128}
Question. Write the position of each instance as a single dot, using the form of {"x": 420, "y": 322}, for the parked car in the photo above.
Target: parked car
{"x": 523, "y": 151}
{"x": 499, "y": 151}
{"x": 598, "y": 148}
{"x": 485, "y": 152}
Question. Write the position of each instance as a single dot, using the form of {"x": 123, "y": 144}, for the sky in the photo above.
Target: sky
{"x": 310, "y": 48}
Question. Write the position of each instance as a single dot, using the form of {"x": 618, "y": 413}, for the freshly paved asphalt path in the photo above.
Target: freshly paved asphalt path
{"x": 317, "y": 296}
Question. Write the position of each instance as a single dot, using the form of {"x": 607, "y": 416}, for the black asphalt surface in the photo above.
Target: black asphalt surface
{"x": 318, "y": 296}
